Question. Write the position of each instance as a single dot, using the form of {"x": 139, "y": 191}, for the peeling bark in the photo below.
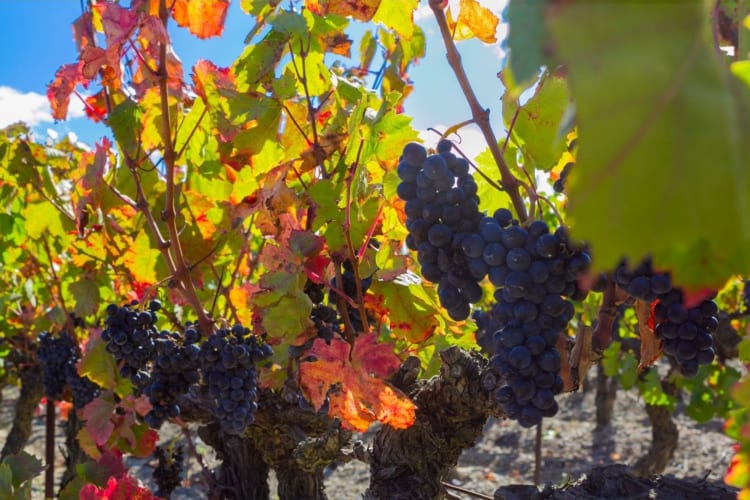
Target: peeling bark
{"x": 242, "y": 474}
{"x": 298, "y": 444}
{"x": 453, "y": 408}
{"x": 32, "y": 390}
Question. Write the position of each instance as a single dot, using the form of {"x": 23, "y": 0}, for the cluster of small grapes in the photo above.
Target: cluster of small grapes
{"x": 538, "y": 270}
{"x": 83, "y": 388}
{"x": 168, "y": 471}
{"x": 58, "y": 357}
{"x": 228, "y": 361}
{"x": 487, "y": 325}
{"x": 174, "y": 370}
{"x": 349, "y": 282}
{"x": 130, "y": 335}
{"x": 325, "y": 317}
{"x": 442, "y": 210}
{"x": 686, "y": 331}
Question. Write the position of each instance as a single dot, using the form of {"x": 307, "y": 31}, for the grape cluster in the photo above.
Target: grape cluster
{"x": 84, "y": 389}
{"x": 487, "y": 325}
{"x": 54, "y": 353}
{"x": 130, "y": 335}
{"x": 686, "y": 331}
{"x": 168, "y": 471}
{"x": 58, "y": 357}
{"x": 534, "y": 270}
{"x": 174, "y": 370}
{"x": 228, "y": 361}
{"x": 443, "y": 219}
{"x": 325, "y": 318}
{"x": 349, "y": 287}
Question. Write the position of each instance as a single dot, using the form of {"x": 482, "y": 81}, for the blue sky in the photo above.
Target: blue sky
{"x": 37, "y": 39}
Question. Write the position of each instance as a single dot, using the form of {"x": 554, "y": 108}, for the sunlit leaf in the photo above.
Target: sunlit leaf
{"x": 660, "y": 156}
{"x": 359, "y": 395}
{"x": 203, "y": 18}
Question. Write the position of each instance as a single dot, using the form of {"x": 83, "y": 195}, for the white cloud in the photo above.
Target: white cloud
{"x": 422, "y": 13}
{"x": 468, "y": 139}
{"x": 30, "y": 107}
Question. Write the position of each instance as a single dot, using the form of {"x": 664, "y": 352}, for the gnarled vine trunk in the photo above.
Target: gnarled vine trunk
{"x": 32, "y": 390}
{"x": 453, "y": 408}
{"x": 297, "y": 444}
{"x": 242, "y": 473}
{"x": 664, "y": 437}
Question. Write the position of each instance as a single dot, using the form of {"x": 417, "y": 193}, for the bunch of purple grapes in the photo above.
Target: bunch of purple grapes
{"x": 442, "y": 209}
{"x": 686, "y": 331}
{"x": 539, "y": 269}
{"x": 228, "y": 361}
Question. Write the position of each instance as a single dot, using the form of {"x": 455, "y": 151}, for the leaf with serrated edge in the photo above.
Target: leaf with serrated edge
{"x": 360, "y": 395}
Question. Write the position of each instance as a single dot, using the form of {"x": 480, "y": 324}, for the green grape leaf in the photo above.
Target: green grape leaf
{"x": 24, "y": 467}
{"x": 86, "y": 294}
{"x": 397, "y": 16}
{"x": 100, "y": 366}
{"x": 611, "y": 359}
{"x": 527, "y": 36}
{"x": 653, "y": 392}
{"x": 412, "y": 313}
{"x": 536, "y": 129}
{"x": 43, "y": 218}
{"x": 661, "y": 155}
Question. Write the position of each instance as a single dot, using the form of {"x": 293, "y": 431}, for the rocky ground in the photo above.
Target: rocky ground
{"x": 505, "y": 454}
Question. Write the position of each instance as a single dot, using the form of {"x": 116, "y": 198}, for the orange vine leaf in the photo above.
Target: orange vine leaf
{"x": 475, "y": 21}
{"x": 356, "y": 387}
{"x": 58, "y": 92}
{"x": 361, "y": 10}
{"x": 203, "y": 18}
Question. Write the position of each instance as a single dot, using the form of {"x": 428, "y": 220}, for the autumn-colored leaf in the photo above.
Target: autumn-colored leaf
{"x": 206, "y": 73}
{"x": 358, "y": 393}
{"x": 475, "y": 21}
{"x": 651, "y": 345}
{"x": 116, "y": 22}
{"x": 98, "y": 415}
{"x": 361, "y": 10}
{"x": 123, "y": 488}
{"x": 96, "y": 106}
{"x": 58, "y": 92}
{"x": 203, "y": 18}
{"x": 340, "y": 44}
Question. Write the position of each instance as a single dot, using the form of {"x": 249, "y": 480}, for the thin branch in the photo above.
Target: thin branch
{"x": 465, "y": 491}
{"x": 190, "y": 136}
{"x": 169, "y": 216}
{"x": 349, "y": 245}
{"x": 296, "y": 124}
{"x": 480, "y": 115}
{"x": 349, "y": 333}
{"x": 58, "y": 285}
{"x": 208, "y": 476}
{"x": 143, "y": 206}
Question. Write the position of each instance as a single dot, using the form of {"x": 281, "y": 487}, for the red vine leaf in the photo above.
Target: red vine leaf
{"x": 118, "y": 488}
{"x": 203, "y": 18}
{"x": 117, "y": 22}
{"x": 58, "y": 92}
{"x": 358, "y": 393}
